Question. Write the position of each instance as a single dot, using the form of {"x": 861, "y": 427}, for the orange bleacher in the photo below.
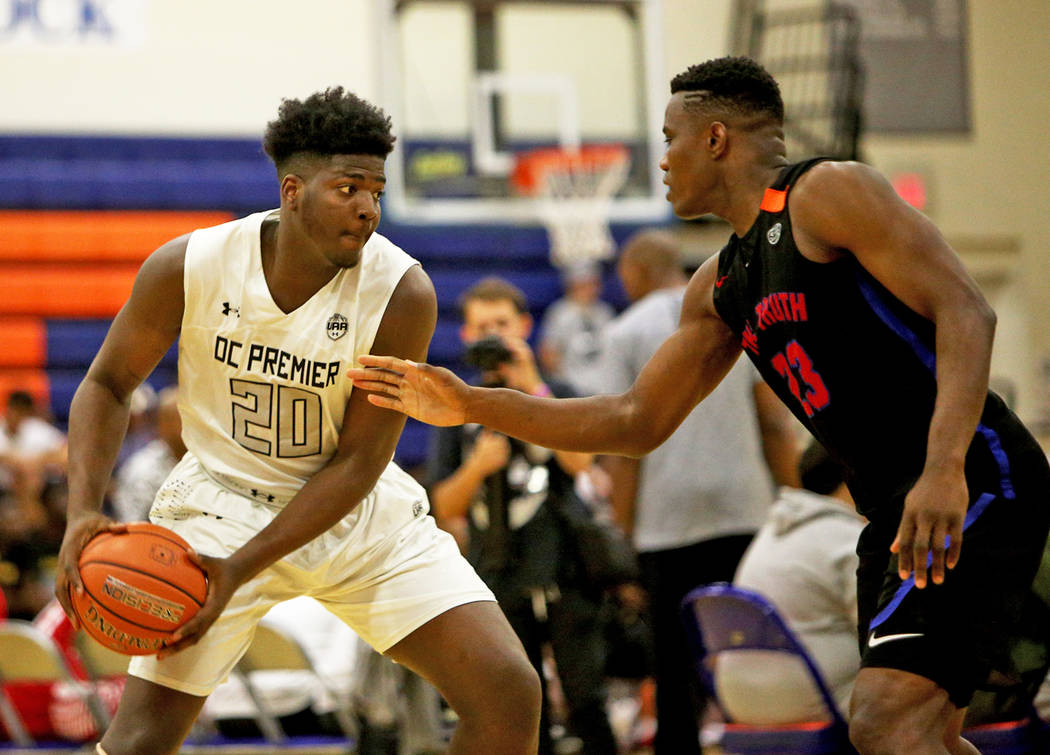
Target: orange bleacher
{"x": 94, "y": 237}
{"x": 70, "y": 265}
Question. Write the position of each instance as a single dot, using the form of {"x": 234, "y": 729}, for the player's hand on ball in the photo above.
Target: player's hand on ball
{"x": 430, "y": 394}
{"x": 222, "y": 584}
{"x": 79, "y": 531}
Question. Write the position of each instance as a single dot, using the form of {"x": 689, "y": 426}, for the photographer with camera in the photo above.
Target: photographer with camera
{"x": 510, "y": 496}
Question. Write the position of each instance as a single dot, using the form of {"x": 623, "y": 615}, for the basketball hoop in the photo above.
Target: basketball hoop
{"x": 573, "y": 189}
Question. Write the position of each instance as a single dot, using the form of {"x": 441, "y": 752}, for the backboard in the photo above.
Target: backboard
{"x": 471, "y": 84}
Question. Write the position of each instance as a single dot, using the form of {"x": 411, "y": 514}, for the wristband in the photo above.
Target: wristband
{"x": 541, "y": 390}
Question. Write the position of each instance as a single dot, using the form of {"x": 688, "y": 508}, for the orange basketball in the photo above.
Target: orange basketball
{"x": 139, "y": 587}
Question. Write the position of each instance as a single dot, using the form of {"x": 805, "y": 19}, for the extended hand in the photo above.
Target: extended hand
{"x": 222, "y": 583}
{"x": 67, "y": 575}
{"x": 430, "y": 394}
{"x": 934, "y": 512}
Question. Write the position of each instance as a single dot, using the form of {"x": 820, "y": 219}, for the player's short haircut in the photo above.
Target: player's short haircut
{"x": 493, "y": 289}
{"x": 818, "y": 471}
{"x": 332, "y": 122}
{"x": 732, "y": 85}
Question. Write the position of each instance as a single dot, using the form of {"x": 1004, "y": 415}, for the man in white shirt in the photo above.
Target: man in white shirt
{"x": 29, "y": 446}
{"x": 141, "y": 476}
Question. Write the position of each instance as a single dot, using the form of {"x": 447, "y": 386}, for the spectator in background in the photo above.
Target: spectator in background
{"x": 693, "y": 504}
{"x": 29, "y": 546}
{"x": 569, "y": 332}
{"x": 141, "y": 476}
{"x": 509, "y": 493}
{"x": 25, "y": 433}
{"x": 32, "y": 452}
{"x": 142, "y": 422}
{"x": 804, "y": 561}
{"x": 25, "y": 577}
{"x": 30, "y": 448}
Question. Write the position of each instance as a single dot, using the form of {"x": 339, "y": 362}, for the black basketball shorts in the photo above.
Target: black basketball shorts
{"x": 958, "y": 633}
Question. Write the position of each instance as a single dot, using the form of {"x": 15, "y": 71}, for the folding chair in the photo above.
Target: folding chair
{"x": 27, "y": 654}
{"x": 1020, "y": 737}
{"x": 99, "y": 660}
{"x": 720, "y": 618}
{"x": 273, "y": 650}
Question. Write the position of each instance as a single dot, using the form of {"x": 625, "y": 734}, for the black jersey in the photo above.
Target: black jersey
{"x": 854, "y": 364}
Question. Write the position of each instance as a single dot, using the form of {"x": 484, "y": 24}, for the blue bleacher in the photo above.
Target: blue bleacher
{"x": 107, "y": 173}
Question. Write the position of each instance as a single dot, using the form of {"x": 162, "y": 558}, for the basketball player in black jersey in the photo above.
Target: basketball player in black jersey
{"x": 863, "y": 320}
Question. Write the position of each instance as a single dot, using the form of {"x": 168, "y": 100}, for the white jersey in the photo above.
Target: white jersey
{"x": 262, "y": 393}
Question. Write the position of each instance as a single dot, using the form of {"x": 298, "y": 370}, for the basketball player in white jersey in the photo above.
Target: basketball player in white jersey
{"x": 287, "y": 487}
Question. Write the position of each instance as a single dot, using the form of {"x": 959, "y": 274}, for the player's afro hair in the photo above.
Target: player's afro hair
{"x": 733, "y": 84}
{"x": 332, "y": 122}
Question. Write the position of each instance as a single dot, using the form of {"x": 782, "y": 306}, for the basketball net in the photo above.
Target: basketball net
{"x": 573, "y": 189}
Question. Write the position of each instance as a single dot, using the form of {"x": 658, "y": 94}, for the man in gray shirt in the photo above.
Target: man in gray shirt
{"x": 693, "y": 504}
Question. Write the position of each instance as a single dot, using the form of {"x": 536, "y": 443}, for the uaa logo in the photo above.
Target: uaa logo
{"x": 337, "y": 326}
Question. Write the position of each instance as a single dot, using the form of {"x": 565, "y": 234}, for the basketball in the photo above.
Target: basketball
{"x": 139, "y": 587}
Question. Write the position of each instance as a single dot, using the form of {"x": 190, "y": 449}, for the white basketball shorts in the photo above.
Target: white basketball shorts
{"x": 382, "y": 585}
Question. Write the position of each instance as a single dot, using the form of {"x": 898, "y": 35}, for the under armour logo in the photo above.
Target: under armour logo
{"x": 227, "y": 309}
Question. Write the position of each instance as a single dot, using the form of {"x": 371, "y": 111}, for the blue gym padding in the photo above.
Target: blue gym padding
{"x": 73, "y": 343}
{"x": 65, "y": 172}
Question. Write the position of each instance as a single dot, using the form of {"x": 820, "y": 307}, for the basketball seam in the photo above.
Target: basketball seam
{"x": 151, "y": 576}
{"x": 178, "y": 540}
{"x": 171, "y": 537}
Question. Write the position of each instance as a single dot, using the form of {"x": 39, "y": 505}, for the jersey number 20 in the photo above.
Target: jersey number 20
{"x": 293, "y": 420}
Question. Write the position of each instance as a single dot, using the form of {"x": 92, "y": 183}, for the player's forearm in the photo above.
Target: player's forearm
{"x": 98, "y": 421}
{"x": 596, "y": 424}
{"x": 964, "y": 350}
{"x": 320, "y": 504}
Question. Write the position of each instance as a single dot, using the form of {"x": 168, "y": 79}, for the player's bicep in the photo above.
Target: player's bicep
{"x": 148, "y": 323}
{"x": 851, "y": 207}
{"x": 369, "y": 432}
{"x": 691, "y": 362}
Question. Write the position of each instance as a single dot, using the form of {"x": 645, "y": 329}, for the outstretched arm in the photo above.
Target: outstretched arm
{"x": 687, "y": 367}
{"x": 140, "y": 335}
{"x": 849, "y": 206}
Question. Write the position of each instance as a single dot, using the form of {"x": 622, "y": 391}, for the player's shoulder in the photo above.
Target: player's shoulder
{"x": 379, "y": 244}
{"x": 835, "y": 181}
{"x": 413, "y": 293}
{"x": 211, "y": 247}
{"x": 838, "y": 204}
{"x": 382, "y": 259}
{"x": 246, "y": 224}
{"x": 169, "y": 259}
